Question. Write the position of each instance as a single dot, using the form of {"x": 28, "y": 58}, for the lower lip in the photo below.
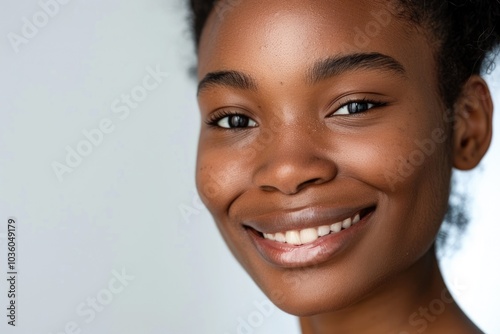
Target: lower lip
{"x": 313, "y": 253}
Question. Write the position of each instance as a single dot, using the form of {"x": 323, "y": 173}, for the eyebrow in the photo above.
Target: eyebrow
{"x": 321, "y": 70}
{"x": 333, "y": 66}
{"x": 233, "y": 79}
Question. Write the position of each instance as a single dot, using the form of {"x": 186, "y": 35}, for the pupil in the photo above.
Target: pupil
{"x": 238, "y": 121}
{"x": 357, "y": 107}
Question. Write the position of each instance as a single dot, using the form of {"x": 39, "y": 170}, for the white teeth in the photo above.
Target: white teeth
{"x": 336, "y": 227}
{"x": 323, "y": 230}
{"x": 269, "y": 236}
{"x": 292, "y": 237}
{"x": 308, "y": 235}
{"x": 346, "y": 223}
{"x": 280, "y": 237}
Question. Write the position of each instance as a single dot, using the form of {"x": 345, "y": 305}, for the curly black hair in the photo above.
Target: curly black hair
{"x": 466, "y": 34}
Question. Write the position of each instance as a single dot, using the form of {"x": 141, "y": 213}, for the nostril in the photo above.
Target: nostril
{"x": 308, "y": 183}
{"x": 297, "y": 189}
{"x": 268, "y": 188}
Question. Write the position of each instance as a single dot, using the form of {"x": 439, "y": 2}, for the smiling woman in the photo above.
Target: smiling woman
{"x": 332, "y": 147}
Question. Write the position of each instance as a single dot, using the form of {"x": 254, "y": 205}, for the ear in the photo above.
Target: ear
{"x": 473, "y": 124}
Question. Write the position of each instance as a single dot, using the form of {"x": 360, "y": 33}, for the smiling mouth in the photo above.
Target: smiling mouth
{"x": 309, "y": 235}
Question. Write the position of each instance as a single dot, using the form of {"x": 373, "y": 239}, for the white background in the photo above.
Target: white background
{"x": 122, "y": 207}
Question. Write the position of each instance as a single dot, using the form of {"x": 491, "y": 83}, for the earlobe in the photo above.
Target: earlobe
{"x": 473, "y": 124}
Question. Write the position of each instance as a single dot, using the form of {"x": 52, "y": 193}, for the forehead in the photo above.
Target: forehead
{"x": 255, "y": 35}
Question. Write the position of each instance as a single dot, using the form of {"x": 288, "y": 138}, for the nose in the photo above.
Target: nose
{"x": 294, "y": 161}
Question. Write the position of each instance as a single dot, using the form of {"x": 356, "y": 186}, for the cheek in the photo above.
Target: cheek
{"x": 221, "y": 175}
{"x": 407, "y": 151}
{"x": 211, "y": 179}
{"x": 410, "y": 169}
{"x": 408, "y": 166}
{"x": 217, "y": 178}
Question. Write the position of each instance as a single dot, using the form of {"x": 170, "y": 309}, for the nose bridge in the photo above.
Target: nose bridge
{"x": 293, "y": 156}
{"x": 297, "y": 139}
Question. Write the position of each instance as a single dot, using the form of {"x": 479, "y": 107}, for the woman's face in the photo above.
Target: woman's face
{"x": 320, "y": 112}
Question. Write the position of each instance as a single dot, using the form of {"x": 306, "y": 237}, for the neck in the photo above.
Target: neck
{"x": 416, "y": 300}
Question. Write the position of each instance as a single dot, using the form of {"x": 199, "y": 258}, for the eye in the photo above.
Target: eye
{"x": 236, "y": 121}
{"x": 228, "y": 120}
{"x": 354, "y": 107}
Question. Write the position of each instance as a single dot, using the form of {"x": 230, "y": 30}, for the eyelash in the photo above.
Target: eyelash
{"x": 374, "y": 103}
{"x": 218, "y": 116}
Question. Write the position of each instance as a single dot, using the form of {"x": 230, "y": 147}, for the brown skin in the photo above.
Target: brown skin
{"x": 299, "y": 154}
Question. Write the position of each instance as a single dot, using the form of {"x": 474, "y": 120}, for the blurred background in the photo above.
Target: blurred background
{"x": 98, "y": 134}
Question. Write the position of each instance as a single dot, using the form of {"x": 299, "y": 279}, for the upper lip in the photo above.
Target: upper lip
{"x": 301, "y": 218}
